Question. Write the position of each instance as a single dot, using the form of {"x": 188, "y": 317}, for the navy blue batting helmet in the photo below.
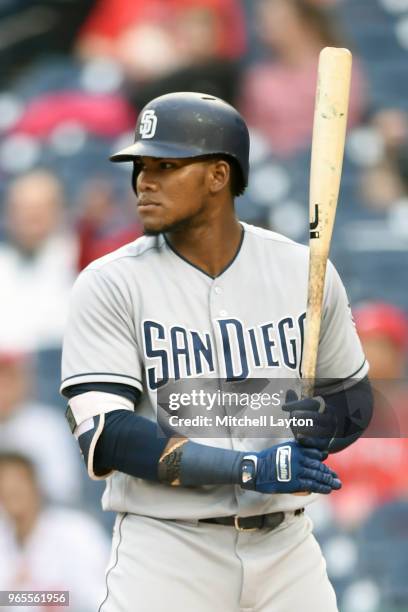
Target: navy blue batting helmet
{"x": 187, "y": 124}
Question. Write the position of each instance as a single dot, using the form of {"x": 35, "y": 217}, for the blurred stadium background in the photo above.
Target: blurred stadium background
{"x": 73, "y": 76}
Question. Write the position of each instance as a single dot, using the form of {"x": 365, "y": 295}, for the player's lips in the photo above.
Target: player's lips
{"x": 147, "y": 204}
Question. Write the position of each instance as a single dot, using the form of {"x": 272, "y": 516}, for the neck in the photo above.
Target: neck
{"x": 211, "y": 245}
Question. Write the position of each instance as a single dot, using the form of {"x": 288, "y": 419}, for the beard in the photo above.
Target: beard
{"x": 151, "y": 232}
{"x": 178, "y": 226}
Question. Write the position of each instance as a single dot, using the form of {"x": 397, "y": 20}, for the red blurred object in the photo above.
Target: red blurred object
{"x": 11, "y": 357}
{"x": 110, "y": 18}
{"x": 94, "y": 244}
{"x": 103, "y": 115}
{"x": 385, "y": 319}
{"x": 373, "y": 471}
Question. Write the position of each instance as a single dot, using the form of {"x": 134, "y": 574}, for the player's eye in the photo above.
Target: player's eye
{"x": 166, "y": 165}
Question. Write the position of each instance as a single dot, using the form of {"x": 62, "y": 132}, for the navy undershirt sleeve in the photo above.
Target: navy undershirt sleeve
{"x": 127, "y": 391}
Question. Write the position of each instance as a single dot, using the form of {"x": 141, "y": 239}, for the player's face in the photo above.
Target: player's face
{"x": 172, "y": 193}
{"x": 19, "y": 495}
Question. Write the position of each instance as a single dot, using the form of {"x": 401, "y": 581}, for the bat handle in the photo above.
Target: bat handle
{"x": 307, "y": 387}
{"x": 307, "y": 391}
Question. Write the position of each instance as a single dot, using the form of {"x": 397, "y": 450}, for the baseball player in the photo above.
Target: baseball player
{"x": 210, "y": 524}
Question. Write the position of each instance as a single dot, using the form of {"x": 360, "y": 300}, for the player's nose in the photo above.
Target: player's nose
{"x": 146, "y": 181}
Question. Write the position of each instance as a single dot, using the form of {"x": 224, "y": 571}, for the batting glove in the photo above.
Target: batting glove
{"x": 288, "y": 468}
{"x": 322, "y": 431}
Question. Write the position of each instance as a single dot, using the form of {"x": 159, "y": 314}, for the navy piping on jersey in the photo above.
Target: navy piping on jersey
{"x": 199, "y": 269}
{"x": 115, "y": 563}
{"x": 358, "y": 370}
{"x": 335, "y": 380}
{"x": 101, "y": 374}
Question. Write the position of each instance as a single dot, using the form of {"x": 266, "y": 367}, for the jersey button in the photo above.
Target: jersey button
{"x": 218, "y": 290}
{"x": 223, "y": 313}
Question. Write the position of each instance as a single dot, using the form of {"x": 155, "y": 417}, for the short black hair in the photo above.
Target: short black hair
{"x": 19, "y": 459}
{"x": 237, "y": 184}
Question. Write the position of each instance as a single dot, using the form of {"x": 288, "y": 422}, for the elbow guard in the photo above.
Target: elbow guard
{"x": 88, "y": 434}
{"x": 86, "y": 414}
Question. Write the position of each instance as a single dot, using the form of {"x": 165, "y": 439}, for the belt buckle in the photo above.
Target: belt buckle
{"x": 238, "y": 526}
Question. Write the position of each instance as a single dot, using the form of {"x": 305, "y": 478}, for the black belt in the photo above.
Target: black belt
{"x": 252, "y": 523}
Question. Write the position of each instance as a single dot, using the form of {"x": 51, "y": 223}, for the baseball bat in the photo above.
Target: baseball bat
{"x": 329, "y": 134}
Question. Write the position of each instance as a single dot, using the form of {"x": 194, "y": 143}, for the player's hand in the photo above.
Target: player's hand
{"x": 290, "y": 467}
{"x": 320, "y": 434}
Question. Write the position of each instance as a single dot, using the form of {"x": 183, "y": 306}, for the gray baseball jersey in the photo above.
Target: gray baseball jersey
{"x": 143, "y": 315}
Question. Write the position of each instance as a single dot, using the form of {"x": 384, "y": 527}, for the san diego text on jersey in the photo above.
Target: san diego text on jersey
{"x": 176, "y": 352}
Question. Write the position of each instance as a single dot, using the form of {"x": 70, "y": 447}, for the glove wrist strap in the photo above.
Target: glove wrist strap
{"x": 249, "y": 464}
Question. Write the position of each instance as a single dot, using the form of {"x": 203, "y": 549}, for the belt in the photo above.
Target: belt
{"x": 252, "y": 523}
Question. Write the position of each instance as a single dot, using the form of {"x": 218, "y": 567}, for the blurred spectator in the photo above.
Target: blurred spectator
{"x": 195, "y": 30}
{"x": 38, "y": 431}
{"x": 101, "y": 228}
{"x": 383, "y": 330}
{"x": 383, "y": 183}
{"x": 37, "y": 264}
{"x": 381, "y": 186}
{"x": 375, "y": 469}
{"x": 109, "y": 24}
{"x": 392, "y": 124}
{"x": 47, "y": 547}
{"x": 402, "y": 158}
{"x": 399, "y": 213}
{"x": 278, "y": 93}
{"x": 147, "y": 51}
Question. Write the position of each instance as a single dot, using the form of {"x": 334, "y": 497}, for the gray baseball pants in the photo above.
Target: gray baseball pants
{"x": 187, "y": 566}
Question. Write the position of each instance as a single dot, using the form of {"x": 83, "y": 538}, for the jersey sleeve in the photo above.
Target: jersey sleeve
{"x": 340, "y": 356}
{"x": 99, "y": 341}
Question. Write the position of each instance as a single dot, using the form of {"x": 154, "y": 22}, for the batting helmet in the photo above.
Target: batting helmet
{"x": 185, "y": 124}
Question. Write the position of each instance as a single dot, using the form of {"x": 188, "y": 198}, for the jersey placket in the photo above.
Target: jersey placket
{"x": 219, "y": 310}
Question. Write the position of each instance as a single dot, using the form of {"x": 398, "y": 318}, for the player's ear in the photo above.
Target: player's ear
{"x": 218, "y": 175}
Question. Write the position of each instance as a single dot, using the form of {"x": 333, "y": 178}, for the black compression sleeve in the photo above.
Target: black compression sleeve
{"x": 129, "y": 443}
{"x": 353, "y": 408}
